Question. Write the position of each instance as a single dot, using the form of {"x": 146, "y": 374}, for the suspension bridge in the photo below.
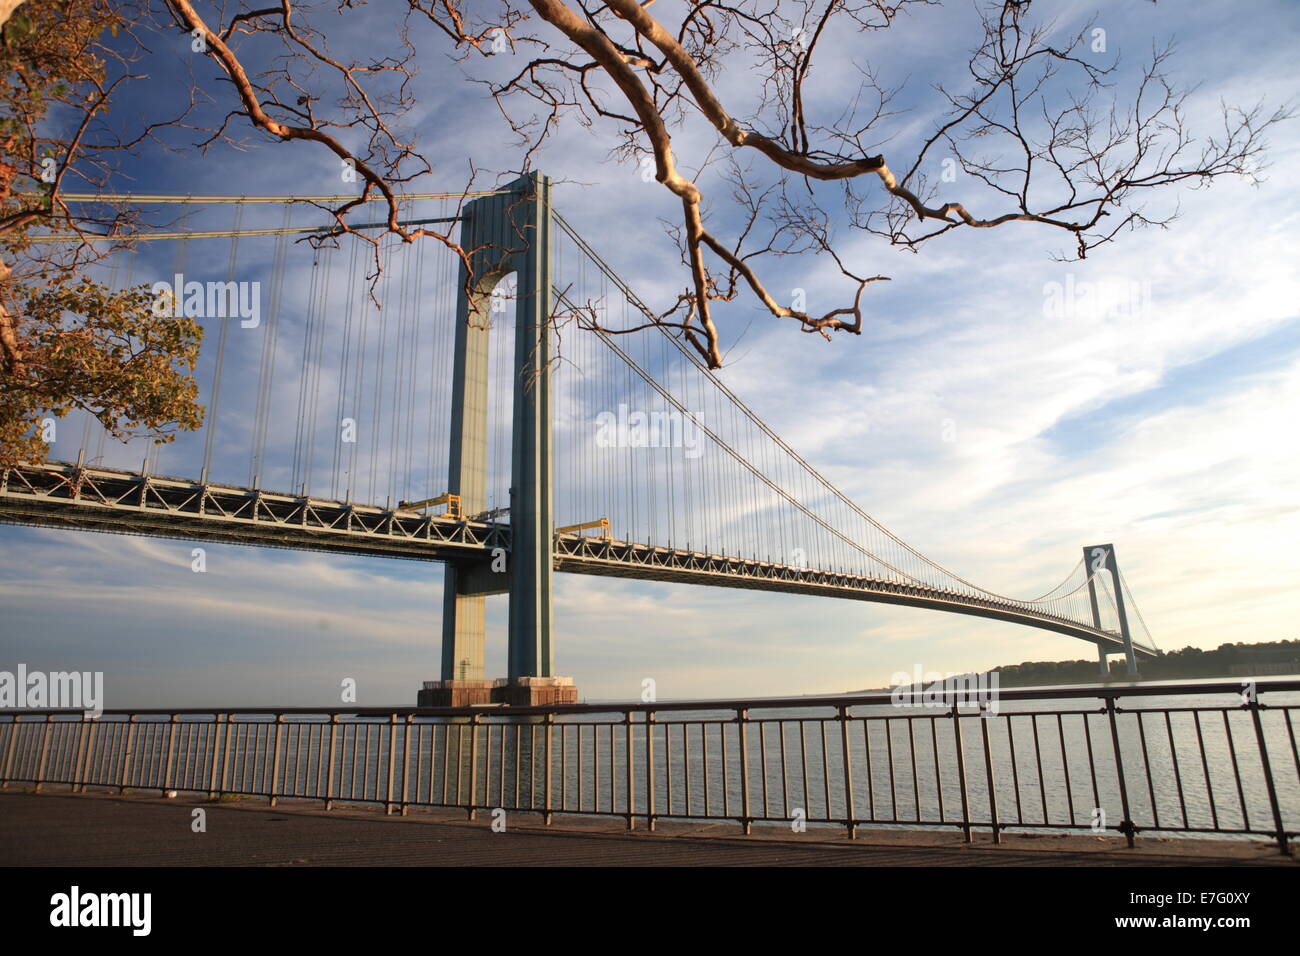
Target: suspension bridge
{"x": 491, "y": 417}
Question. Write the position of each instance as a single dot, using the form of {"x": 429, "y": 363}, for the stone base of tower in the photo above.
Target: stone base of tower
{"x": 535, "y": 691}
{"x": 456, "y": 693}
{"x": 513, "y": 692}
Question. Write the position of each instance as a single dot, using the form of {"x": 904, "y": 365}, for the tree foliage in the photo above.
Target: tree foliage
{"x": 67, "y": 341}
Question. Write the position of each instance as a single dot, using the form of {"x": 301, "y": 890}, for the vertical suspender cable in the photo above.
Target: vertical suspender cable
{"x": 270, "y": 336}
{"x": 345, "y": 370}
{"x": 178, "y": 268}
{"x": 210, "y": 419}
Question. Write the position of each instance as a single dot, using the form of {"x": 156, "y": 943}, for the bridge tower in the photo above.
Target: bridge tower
{"x": 1099, "y": 557}
{"x": 506, "y": 233}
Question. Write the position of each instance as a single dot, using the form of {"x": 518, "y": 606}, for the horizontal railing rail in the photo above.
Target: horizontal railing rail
{"x": 1126, "y": 759}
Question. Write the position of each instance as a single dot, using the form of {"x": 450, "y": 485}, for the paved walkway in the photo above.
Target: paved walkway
{"x": 103, "y": 830}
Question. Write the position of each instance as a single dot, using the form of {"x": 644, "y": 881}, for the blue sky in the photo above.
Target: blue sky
{"x": 1172, "y": 435}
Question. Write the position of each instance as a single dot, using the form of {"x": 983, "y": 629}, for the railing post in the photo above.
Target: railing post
{"x": 473, "y": 766}
{"x": 406, "y": 760}
{"x": 848, "y": 772}
{"x": 329, "y": 779}
{"x": 225, "y": 753}
{"x": 273, "y": 788}
{"x": 171, "y": 753}
{"x": 126, "y": 757}
{"x": 392, "y": 758}
{"x": 275, "y": 766}
{"x": 1126, "y": 825}
{"x": 961, "y": 772}
{"x": 988, "y": 770}
{"x": 83, "y": 757}
{"x": 650, "y": 770}
{"x": 45, "y": 749}
{"x": 631, "y": 772}
{"x": 217, "y": 721}
{"x": 546, "y": 805}
{"x": 1254, "y": 706}
{"x": 14, "y": 728}
{"x": 742, "y": 718}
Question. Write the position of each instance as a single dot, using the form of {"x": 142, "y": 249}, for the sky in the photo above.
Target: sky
{"x": 1169, "y": 430}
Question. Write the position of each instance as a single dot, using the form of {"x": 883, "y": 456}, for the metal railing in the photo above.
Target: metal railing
{"x": 1096, "y": 759}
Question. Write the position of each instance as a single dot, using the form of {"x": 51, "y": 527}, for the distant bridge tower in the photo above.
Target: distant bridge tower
{"x": 1101, "y": 557}
{"x": 508, "y": 233}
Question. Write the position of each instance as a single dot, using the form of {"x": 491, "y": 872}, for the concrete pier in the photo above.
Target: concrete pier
{"x": 511, "y": 691}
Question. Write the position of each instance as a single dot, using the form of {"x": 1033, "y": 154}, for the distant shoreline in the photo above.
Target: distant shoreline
{"x": 1067, "y": 681}
{"x": 1238, "y": 661}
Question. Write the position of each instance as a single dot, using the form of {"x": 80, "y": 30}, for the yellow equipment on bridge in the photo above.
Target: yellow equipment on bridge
{"x": 451, "y": 501}
{"x": 601, "y": 523}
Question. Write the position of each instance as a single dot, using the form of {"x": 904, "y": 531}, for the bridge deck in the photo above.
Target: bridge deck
{"x": 101, "y": 499}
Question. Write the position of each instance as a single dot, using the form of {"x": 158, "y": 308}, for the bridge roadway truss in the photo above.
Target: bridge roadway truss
{"x": 101, "y": 499}
{"x": 583, "y": 555}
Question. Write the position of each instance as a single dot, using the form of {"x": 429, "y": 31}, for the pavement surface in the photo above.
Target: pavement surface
{"x": 98, "y": 829}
